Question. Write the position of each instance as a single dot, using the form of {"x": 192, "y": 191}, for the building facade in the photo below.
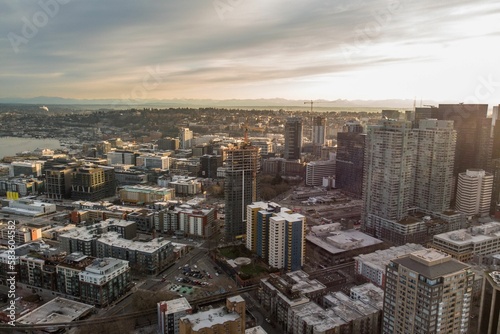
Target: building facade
{"x": 240, "y": 187}
{"x": 427, "y": 292}
{"x": 293, "y": 138}
{"x": 474, "y": 191}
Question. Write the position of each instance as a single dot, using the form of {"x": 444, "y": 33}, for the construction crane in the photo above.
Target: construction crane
{"x": 311, "y": 103}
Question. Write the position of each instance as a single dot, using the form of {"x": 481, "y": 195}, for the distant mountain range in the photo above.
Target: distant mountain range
{"x": 274, "y": 103}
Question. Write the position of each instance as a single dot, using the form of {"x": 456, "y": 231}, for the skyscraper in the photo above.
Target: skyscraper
{"x": 389, "y": 173}
{"x": 293, "y": 138}
{"x": 474, "y": 192}
{"x": 435, "y": 156}
{"x": 349, "y": 162}
{"x": 240, "y": 187}
{"x": 427, "y": 292}
{"x": 319, "y": 130}
{"x": 489, "y": 312}
{"x": 473, "y": 134}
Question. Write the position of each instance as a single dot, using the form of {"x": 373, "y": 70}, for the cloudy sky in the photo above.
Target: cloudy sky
{"x": 245, "y": 49}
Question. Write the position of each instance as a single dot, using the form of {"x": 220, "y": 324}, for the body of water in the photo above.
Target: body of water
{"x": 11, "y": 145}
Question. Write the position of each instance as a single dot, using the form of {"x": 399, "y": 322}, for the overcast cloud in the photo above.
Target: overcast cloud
{"x": 223, "y": 49}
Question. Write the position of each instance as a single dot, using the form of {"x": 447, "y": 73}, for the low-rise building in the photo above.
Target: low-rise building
{"x": 465, "y": 244}
{"x": 28, "y": 207}
{"x": 329, "y": 244}
{"x": 226, "y": 319}
{"x": 145, "y": 194}
{"x": 372, "y": 266}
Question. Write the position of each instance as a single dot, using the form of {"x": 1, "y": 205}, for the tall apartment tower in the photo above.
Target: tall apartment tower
{"x": 293, "y": 138}
{"x": 240, "y": 187}
{"x": 319, "y": 130}
{"x": 435, "y": 157}
{"x": 389, "y": 173}
{"x": 185, "y": 138}
{"x": 349, "y": 161}
{"x": 474, "y": 192}
{"x": 287, "y": 241}
{"x": 473, "y": 134}
{"x": 427, "y": 292}
{"x": 489, "y": 311}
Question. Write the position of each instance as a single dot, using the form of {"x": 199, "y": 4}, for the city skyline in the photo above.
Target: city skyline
{"x": 226, "y": 49}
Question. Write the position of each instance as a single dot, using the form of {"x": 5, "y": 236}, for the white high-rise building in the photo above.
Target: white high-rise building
{"x": 185, "y": 138}
{"x": 389, "y": 174}
{"x": 435, "y": 158}
{"x": 317, "y": 170}
{"x": 287, "y": 241}
{"x": 474, "y": 192}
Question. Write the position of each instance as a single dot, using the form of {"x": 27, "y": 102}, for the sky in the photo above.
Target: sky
{"x": 250, "y": 49}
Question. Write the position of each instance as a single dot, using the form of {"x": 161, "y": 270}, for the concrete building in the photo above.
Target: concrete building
{"x": 107, "y": 239}
{"x": 129, "y": 177}
{"x": 257, "y": 238}
{"x": 286, "y": 240}
{"x": 226, "y": 319}
{"x": 169, "y": 314}
{"x": 427, "y": 292}
{"x": 58, "y": 182}
{"x": 20, "y": 185}
{"x": 209, "y": 165}
{"x": 120, "y": 157}
{"x": 372, "y": 266}
{"x": 28, "y": 207}
{"x": 489, "y": 312}
{"x": 104, "y": 281}
{"x": 319, "y": 130}
{"x": 186, "y": 221}
{"x": 56, "y": 311}
{"x": 185, "y": 186}
{"x": 331, "y": 245}
{"x": 435, "y": 157}
{"x": 145, "y": 194}
{"x": 185, "y": 138}
{"x": 240, "y": 187}
{"x": 350, "y": 160}
{"x": 168, "y": 144}
{"x": 293, "y": 138}
{"x": 474, "y": 192}
{"x": 88, "y": 183}
{"x": 465, "y": 244}
{"x": 279, "y": 294}
{"x": 68, "y": 271}
{"x": 317, "y": 170}
{"x": 26, "y": 168}
{"x": 389, "y": 173}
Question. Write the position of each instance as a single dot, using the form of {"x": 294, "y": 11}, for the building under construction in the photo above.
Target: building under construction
{"x": 240, "y": 187}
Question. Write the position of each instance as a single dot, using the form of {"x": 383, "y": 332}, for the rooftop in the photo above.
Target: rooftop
{"x": 175, "y": 305}
{"x": 380, "y": 258}
{"x": 58, "y": 310}
{"x": 255, "y": 330}
{"x": 472, "y": 235}
{"x": 207, "y": 319}
{"x": 333, "y": 240}
{"x": 421, "y": 263}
